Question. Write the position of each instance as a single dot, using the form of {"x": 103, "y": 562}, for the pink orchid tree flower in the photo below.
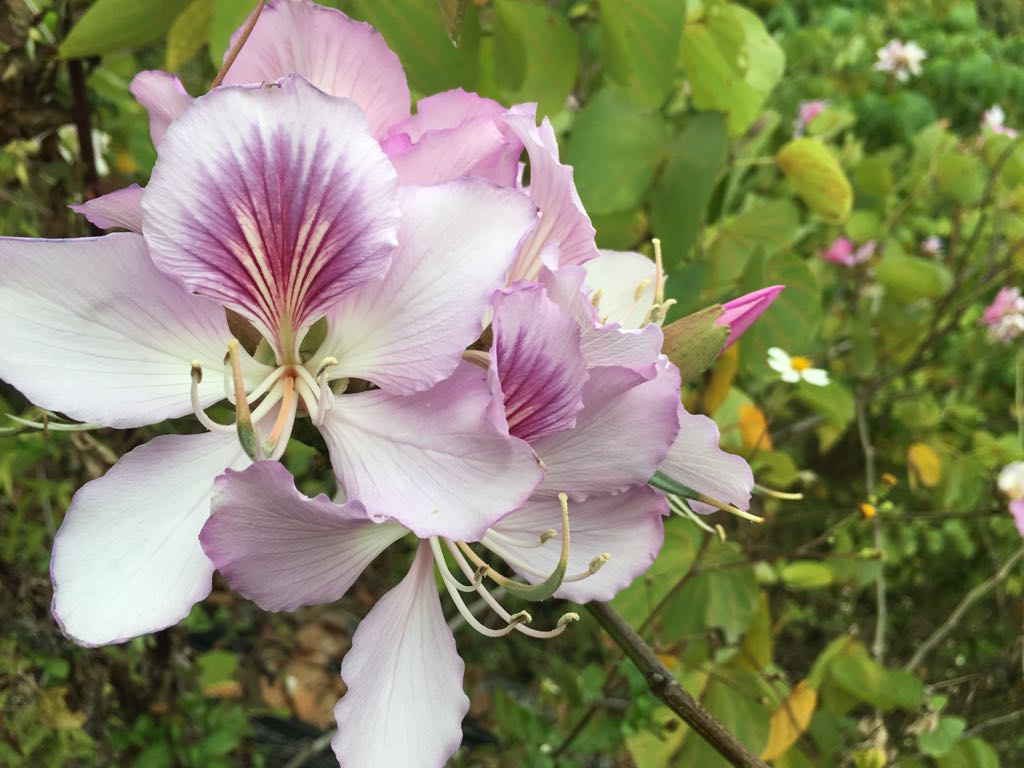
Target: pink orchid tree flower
{"x": 740, "y": 313}
{"x": 806, "y": 112}
{"x": 1011, "y": 483}
{"x": 452, "y": 135}
{"x": 843, "y": 251}
{"x": 601, "y": 433}
{"x": 238, "y": 216}
{"x": 1005, "y": 315}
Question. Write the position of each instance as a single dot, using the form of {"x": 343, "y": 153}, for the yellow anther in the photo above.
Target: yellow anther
{"x": 598, "y": 562}
{"x": 567, "y": 618}
{"x": 640, "y": 288}
{"x": 595, "y": 298}
{"x": 547, "y": 535}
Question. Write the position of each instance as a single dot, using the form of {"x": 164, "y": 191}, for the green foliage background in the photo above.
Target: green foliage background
{"x": 679, "y": 119}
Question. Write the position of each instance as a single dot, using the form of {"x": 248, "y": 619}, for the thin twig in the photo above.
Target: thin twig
{"x": 311, "y": 750}
{"x": 870, "y": 481}
{"x": 1009, "y": 717}
{"x": 964, "y": 605}
{"x": 237, "y": 47}
{"x": 663, "y": 685}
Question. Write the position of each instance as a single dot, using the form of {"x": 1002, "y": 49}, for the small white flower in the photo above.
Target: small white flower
{"x": 901, "y": 59}
{"x": 1011, "y": 480}
{"x": 994, "y": 119}
{"x": 793, "y": 369}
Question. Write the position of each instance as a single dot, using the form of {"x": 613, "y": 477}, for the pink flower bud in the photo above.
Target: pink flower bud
{"x": 739, "y": 314}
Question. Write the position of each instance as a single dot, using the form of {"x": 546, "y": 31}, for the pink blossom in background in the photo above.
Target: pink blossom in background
{"x": 807, "y": 111}
{"x": 1011, "y": 483}
{"x": 1005, "y": 315}
{"x": 994, "y": 119}
{"x": 842, "y": 251}
{"x": 740, "y": 313}
{"x": 931, "y": 245}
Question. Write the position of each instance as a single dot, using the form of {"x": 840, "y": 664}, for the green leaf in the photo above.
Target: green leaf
{"x": 766, "y": 227}
{"x": 909, "y": 278}
{"x": 682, "y": 193}
{"x": 615, "y": 150}
{"x": 226, "y": 16}
{"x": 732, "y": 63}
{"x": 640, "y": 45}
{"x": 653, "y": 746}
{"x": 188, "y": 33}
{"x": 806, "y": 574}
{"x": 414, "y": 29}
{"x": 620, "y": 231}
{"x": 115, "y": 25}
{"x": 937, "y": 742}
{"x": 636, "y": 602}
{"x": 961, "y": 178}
{"x": 816, "y": 176}
{"x": 725, "y": 597}
{"x": 536, "y": 55}
{"x": 834, "y": 402}
{"x": 969, "y": 753}
{"x": 870, "y": 682}
{"x": 733, "y": 696}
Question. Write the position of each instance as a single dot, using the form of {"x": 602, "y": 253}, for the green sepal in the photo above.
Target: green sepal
{"x": 693, "y": 342}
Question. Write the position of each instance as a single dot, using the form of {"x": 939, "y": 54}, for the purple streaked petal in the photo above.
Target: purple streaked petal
{"x": 536, "y": 364}
{"x": 275, "y": 201}
{"x": 126, "y": 560}
{"x": 696, "y": 461}
{"x": 433, "y": 461}
{"x": 405, "y": 703}
{"x": 92, "y": 329}
{"x": 282, "y": 549}
{"x": 627, "y": 526}
{"x": 740, "y": 313}
{"x": 454, "y": 134}
{"x": 564, "y": 236}
{"x": 621, "y": 436}
{"x": 338, "y": 55}
{"x": 408, "y": 331}
{"x": 609, "y": 344}
{"x": 163, "y": 96}
{"x": 120, "y": 208}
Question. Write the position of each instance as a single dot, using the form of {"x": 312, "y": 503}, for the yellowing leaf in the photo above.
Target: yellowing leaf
{"x": 924, "y": 464}
{"x": 817, "y": 177}
{"x": 754, "y": 428}
{"x": 790, "y": 720}
{"x": 188, "y": 33}
{"x": 722, "y": 376}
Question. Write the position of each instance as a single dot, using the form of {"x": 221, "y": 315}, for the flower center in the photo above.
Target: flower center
{"x": 800, "y": 364}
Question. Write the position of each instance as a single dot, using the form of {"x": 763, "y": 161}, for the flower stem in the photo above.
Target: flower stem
{"x": 237, "y": 47}
{"x": 667, "y": 688}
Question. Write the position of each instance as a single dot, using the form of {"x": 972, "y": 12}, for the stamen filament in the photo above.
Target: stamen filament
{"x": 659, "y": 273}
{"x": 453, "y": 591}
{"x": 512, "y": 541}
{"x": 289, "y": 422}
{"x": 265, "y": 407}
{"x": 197, "y": 407}
{"x": 265, "y": 385}
{"x": 442, "y": 565}
{"x": 287, "y": 398}
{"x": 247, "y": 434}
{"x": 495, "y": 606}
{"x": 784, "y": 495}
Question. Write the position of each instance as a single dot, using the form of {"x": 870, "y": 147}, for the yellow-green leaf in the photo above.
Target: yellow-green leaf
{"x": 790, "y": 720}
{"x": 188, "y": 33}
{"x": 817, "y": 177}
{"x": 114, "y": 25}
{"x": 925, "y": 465}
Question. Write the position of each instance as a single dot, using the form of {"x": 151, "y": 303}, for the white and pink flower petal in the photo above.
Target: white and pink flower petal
{"x": 455, "y": 134}
{"x": 408, "y": 331}
{"x": 622, "y": 286}
{"x": 405, "y": 702}
{"x": 623, "y": 532}
{"x": 432, "y": 461}
{"x": 564, "y": 235}
{"x": 696, "y": 461}
{"x": 338, "y": 55}
{"x": 282, "y": 549}
{"x": 275, "y": 201}
{"x": 120, "y": 208}
{"x": 92, "y": 329}
{"x": 623, "y": 433}
{"x": 536, "y": 366}
{"x": 126, "y": 560}
{"x": 163, "y": 96}
{"x": 603, "y": 344}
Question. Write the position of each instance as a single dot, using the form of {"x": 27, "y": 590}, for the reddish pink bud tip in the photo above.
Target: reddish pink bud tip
{"x": 739, "y": 314}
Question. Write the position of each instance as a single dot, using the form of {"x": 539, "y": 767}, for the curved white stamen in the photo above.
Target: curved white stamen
{"x": 307, "y": 377}
{"x": 514, "y": 621}
{"x": 197, "y": 407}
{"x": 523, "y": 567}
{"x": 442, "y": 565}
{"x": 278, "y": 448}
{"x": 512, "y": 541}
{"x": 266, "y": 384}
{"x": 273, "y": 398}
{"x": 309, "y": 398}
{"x": 499, "y": 609}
